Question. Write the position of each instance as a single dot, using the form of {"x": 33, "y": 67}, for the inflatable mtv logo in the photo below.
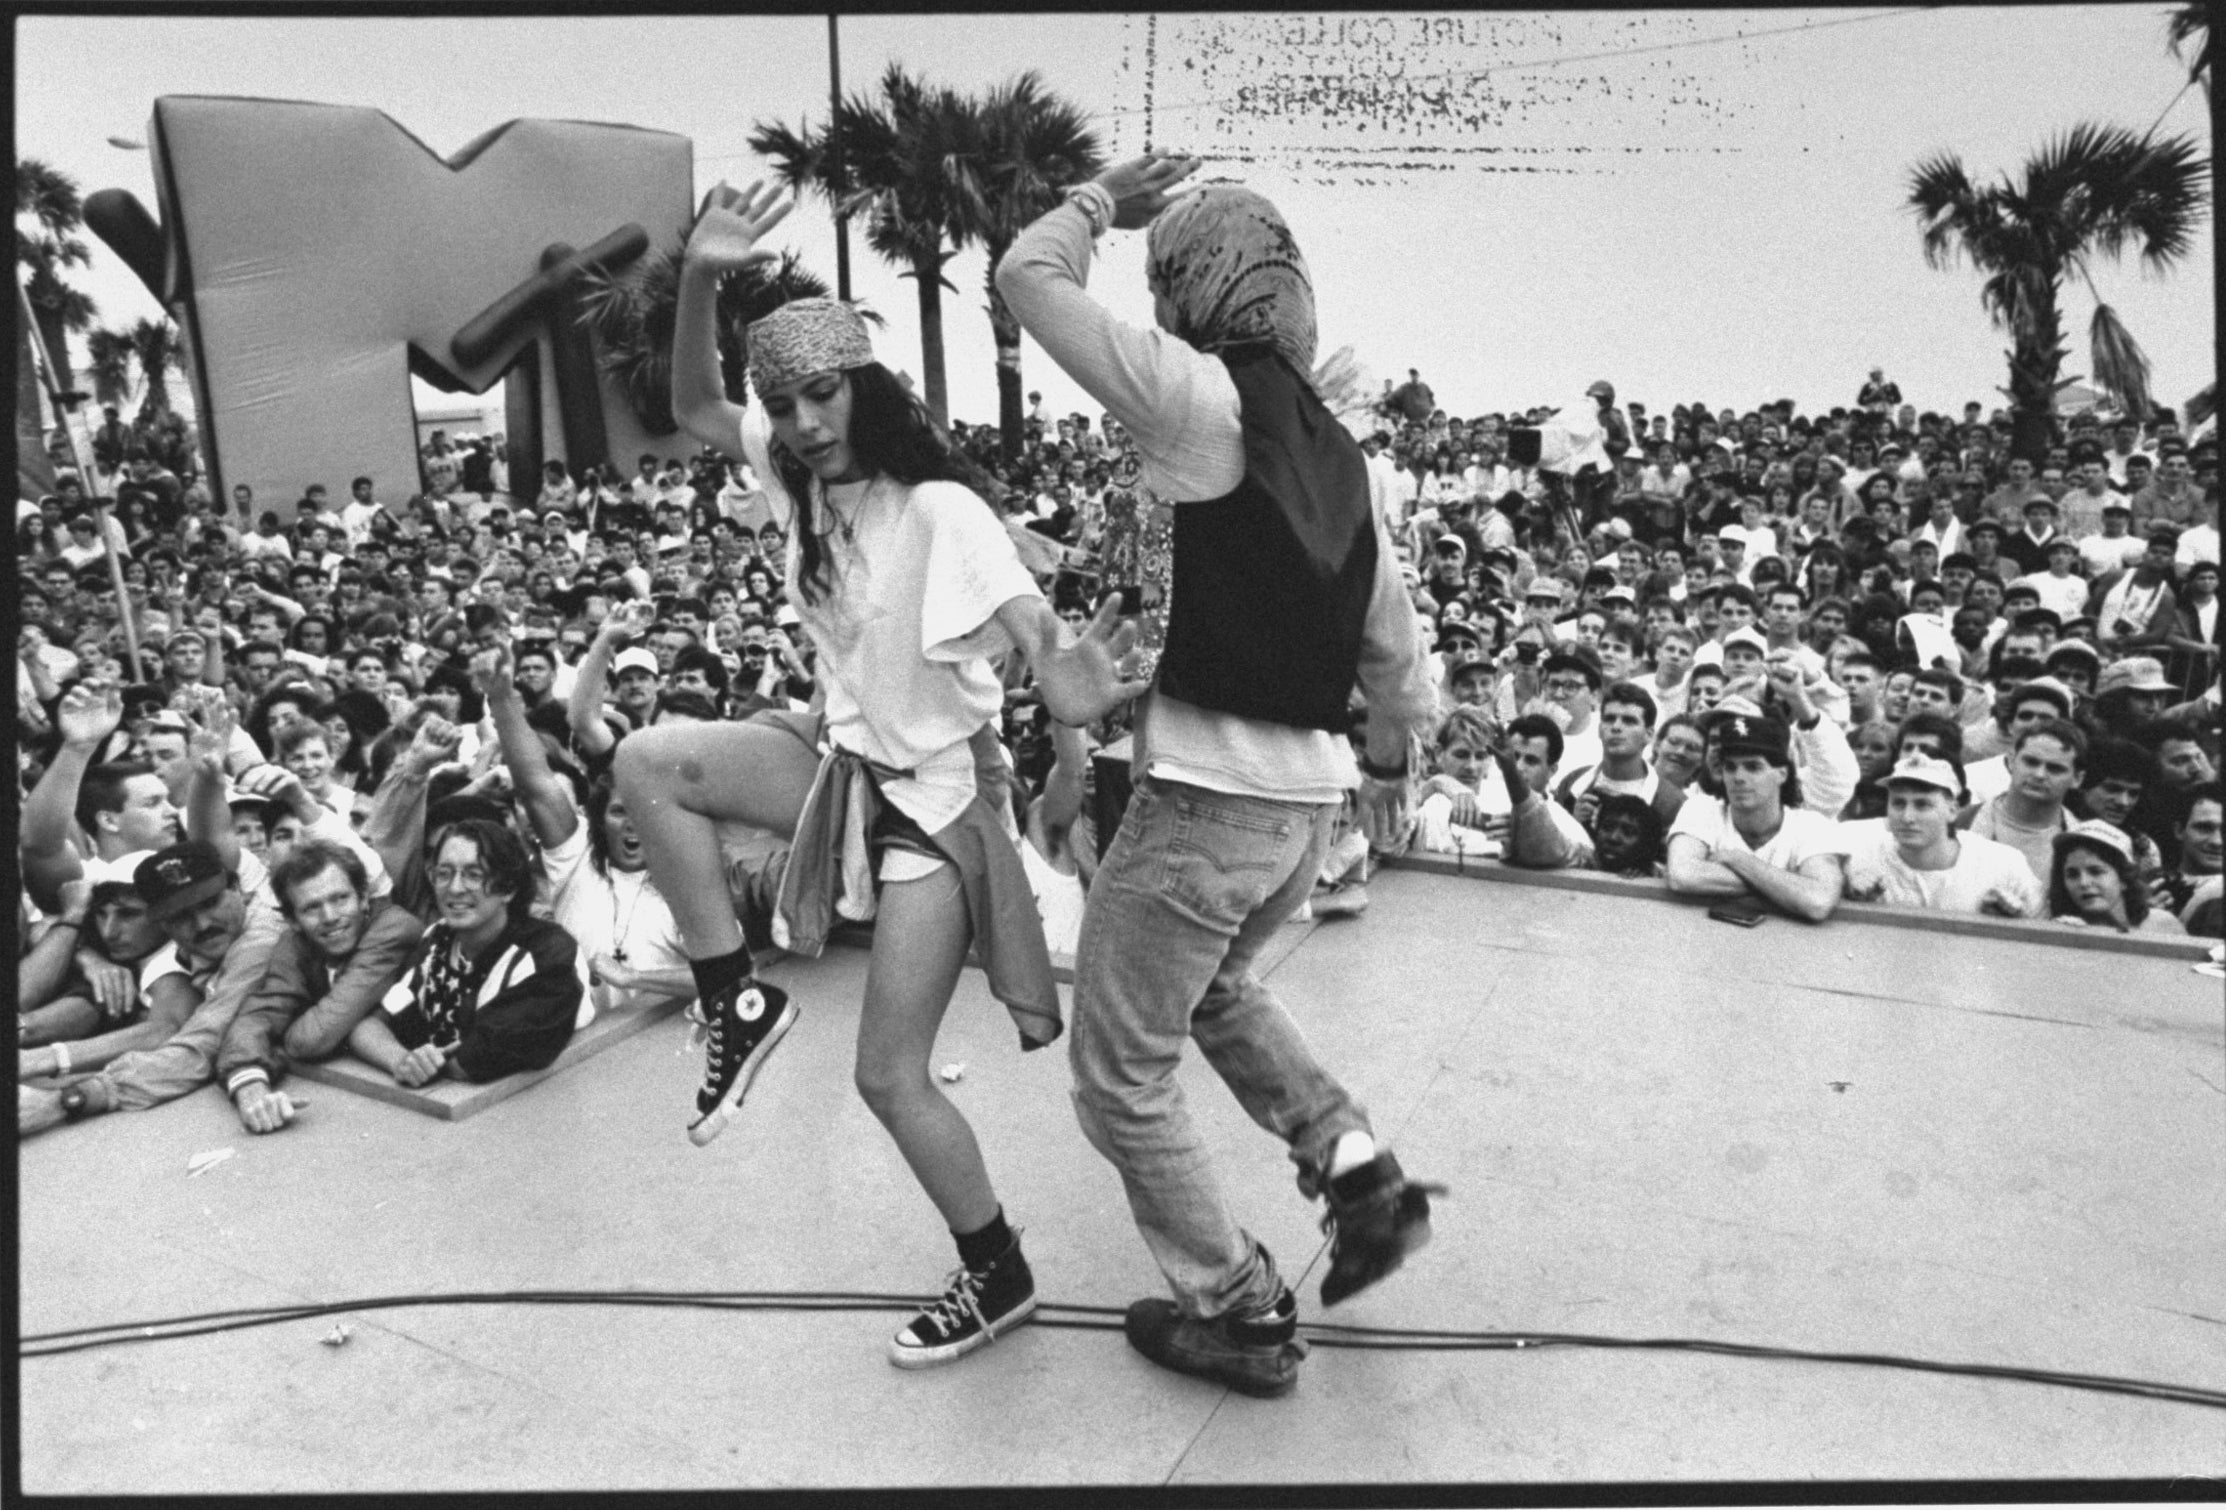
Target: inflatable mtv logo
{"x": 320, "y": 254}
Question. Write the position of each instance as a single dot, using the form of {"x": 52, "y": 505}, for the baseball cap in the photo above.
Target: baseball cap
{"x": 2050, "y": 688}
{"x": 180, "y": 878}
{"x": 2095, "y": 831}
{"x": 1920, "y": 769}
{"x": 1757, "y": 734}
{"x": 634, "y": 659}
{"x": 2136, "y": 673}
{"x": 1750, "y": 637}
{"x": 1543, "y": 587}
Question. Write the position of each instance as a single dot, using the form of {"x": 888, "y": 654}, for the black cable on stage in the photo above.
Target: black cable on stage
{"x": 1092, "y": 1318}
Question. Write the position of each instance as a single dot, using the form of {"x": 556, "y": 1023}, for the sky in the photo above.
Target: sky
{"x": 1694, "y": 205}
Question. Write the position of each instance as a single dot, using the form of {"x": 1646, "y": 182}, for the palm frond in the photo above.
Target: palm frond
{"x": 632, "y": 313}
{"x": 110, "y": 356}
{"x": 156, "y": 344}
{"x": 2188, "y": 30}
{"x": 2202, "y": 406}
{"x": 48, "y": 195}
{"x": 2121, "y": 367}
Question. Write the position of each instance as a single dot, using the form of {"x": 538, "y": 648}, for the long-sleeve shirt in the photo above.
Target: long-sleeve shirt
{"x": 513, "y": 1006}
{"x": 186, "y": 1060}
{"x": 1827, "y": 765}
{"x": 307, "y": 1003}
{"x": 1181, "y": 409}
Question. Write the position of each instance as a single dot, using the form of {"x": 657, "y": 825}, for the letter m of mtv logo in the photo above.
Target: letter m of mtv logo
{"x": 321, "y": 253}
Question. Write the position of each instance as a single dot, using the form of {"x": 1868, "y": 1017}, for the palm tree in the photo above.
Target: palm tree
{"x": 155, "y": 343}
{"x": 109, "y": 355}
{"x": 902, "y": 161}
{"x": 1034, "y": 147}
{"x": 50, "y": 197}
{"x": 631, "y": 314}
{"x": 2096, "y": 189}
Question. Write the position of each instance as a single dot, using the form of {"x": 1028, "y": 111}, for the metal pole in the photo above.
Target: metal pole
{"x": 42, "y": 359}
{"x": 834, "y": 150}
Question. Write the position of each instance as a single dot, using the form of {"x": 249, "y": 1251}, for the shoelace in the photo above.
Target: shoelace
{"x": 961, "y": 1300}
{"x": 714, "y": 1063}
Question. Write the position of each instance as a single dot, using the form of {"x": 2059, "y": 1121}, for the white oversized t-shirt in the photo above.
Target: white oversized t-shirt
{"x": 906, "y": 634}
{"x": 608, "y": 913}
{"x": 1876, "y": 872}
{"x": 1801, "y": 837}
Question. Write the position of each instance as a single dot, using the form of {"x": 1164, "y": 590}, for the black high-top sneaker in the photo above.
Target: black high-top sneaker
{"x": 1256, "y": 1354}
{"x": 741, "y": 1023}
{"x": 979, "y": 1306}
{"x": 1376, "y": 1218}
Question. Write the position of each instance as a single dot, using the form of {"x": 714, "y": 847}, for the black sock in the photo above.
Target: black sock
{"x": 986, "y": 1244}
{"x": 716, "y": 974}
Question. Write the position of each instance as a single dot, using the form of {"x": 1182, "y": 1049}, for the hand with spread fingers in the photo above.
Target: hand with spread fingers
{"x": 732, "y": 223}
{"x": 1144, "y": 186}
{"x": 1082, "y": 680}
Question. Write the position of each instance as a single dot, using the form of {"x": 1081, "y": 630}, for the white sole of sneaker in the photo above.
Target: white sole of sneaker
{"x": 928, "y": 1357}
{"x": 714, "y": 1122}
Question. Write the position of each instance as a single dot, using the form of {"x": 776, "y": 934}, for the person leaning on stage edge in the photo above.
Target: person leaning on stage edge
{"x": 1757, "y": 838}
{"x": 329, "y": 971}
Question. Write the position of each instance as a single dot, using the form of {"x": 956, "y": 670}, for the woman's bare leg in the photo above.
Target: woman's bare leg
{"x": 920, "y": 937}
{"x": 679, "y": 782}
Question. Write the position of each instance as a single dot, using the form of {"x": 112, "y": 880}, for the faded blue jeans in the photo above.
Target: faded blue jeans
{"x": 1192, "y": 887}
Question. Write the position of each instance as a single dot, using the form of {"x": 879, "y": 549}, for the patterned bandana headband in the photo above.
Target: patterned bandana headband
{"x": 1227, "y": 262}
{"x": 805, "y": 336}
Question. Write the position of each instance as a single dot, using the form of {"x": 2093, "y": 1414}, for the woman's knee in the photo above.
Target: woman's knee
{"x": 887, "y": 1085}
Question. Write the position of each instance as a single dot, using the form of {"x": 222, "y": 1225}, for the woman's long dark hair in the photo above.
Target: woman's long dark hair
{"x": 2060, "y": 904}
{"x": 891, "y": 434}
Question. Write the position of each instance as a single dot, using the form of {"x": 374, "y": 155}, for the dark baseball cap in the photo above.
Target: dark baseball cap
{"x": 1749, "y": 734}
{"x": 180, "y": 878}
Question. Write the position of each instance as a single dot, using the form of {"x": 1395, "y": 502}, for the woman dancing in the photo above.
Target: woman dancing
{"x": 909, "y": 585}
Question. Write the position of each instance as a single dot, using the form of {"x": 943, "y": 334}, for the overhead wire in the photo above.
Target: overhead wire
{"x": 1065, "y": 1317}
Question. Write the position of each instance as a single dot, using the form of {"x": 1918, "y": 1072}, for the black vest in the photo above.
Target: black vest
{"x": 1272, "y": 583}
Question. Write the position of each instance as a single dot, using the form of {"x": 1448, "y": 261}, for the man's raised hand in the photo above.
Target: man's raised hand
{"x": 491, "y": 671}
{"x": 89, "y": 712}
{"x": 1144, "y": 186}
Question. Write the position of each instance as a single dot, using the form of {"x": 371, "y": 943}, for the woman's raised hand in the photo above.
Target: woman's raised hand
{"x": 1083, "y": 680}
{"x": 731, "y": 224}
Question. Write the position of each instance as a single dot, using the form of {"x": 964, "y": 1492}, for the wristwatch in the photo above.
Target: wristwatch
{"x": 1376, "y": 772}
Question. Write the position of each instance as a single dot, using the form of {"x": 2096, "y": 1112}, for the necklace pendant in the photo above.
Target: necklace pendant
{"x": 619, "y": 954}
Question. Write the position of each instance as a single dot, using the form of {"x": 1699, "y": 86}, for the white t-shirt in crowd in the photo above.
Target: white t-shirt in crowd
{"x": 1800, "y": 838}
{"x": 1059, "y": 900}
{"x": 1876, "y": 872}
{"x": 609, "y": 913}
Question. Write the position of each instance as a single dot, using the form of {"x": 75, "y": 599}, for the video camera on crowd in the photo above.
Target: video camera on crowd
{"x": 1524, "y": 444}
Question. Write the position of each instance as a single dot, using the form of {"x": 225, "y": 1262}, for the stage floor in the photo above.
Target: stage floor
{"x": 1847, "y": 1139}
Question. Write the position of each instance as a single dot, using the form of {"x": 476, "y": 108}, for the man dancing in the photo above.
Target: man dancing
{"x": 1284, "y": 589}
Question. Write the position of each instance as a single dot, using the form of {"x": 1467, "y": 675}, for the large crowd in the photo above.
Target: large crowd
{"x": 1779, "y": 660}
